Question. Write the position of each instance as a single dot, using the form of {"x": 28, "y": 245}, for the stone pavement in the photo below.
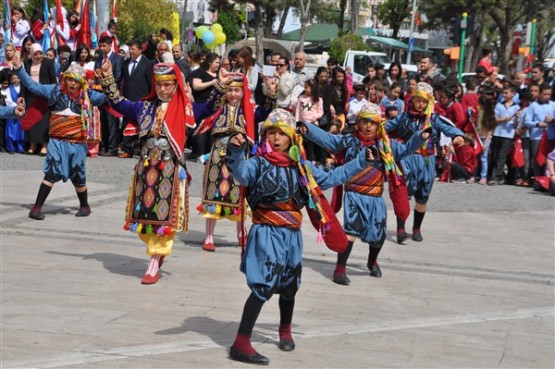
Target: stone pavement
{"x": 477, "y": 293}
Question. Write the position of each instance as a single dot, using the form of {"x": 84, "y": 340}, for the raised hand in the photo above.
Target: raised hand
{"x": 19, "y": 110}
{"x": 105, "y": 70}
{"x": 16, "y": 60}
{"x": 224, "y": 76}
{"x": 237, "y": 140}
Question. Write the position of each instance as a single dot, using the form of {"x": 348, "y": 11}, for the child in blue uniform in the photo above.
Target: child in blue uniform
{"x": 419, "y": 168}
{"x": 281, "y": 182}
{"x": 365, "y": 213}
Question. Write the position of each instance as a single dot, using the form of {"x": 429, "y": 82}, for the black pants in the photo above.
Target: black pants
{"x": 499, "y": 151}
{"x": 459, "y": 172}
{"x": 110, "y": 132}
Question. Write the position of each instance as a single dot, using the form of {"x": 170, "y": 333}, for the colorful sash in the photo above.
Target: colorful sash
{"x": 368, "y": 182}
{"x": 280, "y": 215}
{"x": 67, "y": 128}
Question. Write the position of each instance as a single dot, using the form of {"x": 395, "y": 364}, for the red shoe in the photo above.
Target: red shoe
{"x": 209, "y": 246}
{"x": 150, "y": 279}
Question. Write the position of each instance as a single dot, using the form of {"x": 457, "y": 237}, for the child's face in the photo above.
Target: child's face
{"x": 412, "y": 85}
{"x": 443, "y": 99}
{"x": 545, "y": 95}
{"x": 360, "y": 95}
{"x": 392, "y": 114}
{"x": 508, "y": 94}
{"x": 534, "y": 92}
{"x": 307, "y": 90}
{"x": 367, "y": 127}
{"x": 234, "y": 95}
{"x": 371, "y": 72}
{"x": 380, "y": 94}
{"x": 278, "y": 140}
{"x": 339, "y": 77}
{"x": 372, "y": 90}
{"x": 5, "y": 84}
{"x": 15, "y": 80}
{"x": 419, "y": 103}
{"x": 395, "y": 93}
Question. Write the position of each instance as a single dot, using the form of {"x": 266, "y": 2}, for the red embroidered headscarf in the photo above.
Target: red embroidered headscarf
{"x": 179, "y": 113}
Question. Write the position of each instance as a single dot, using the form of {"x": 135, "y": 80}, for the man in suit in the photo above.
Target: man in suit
{"x": 110, "y": 124}
{"x": 182, "y": 63}
{"x": 136, "y": 77}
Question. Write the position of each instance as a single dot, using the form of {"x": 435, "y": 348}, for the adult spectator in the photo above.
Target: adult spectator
{"x": 275, "y": 58}
{"x": 246, "y": 65}
{"x": 203, "y": 81}
{"x": 124, "y": 52}
{"x": 232, "y": 55}
{"x": 486, "y": 61}
{"x": 380, "y": 73}
{"x": 538, "y": 73}
{"x": 20, "y": 26}
{"x": 179, "y": 59}
{"x": 150, "y": 47}
{"x": 300, "y": 68}
{"x": 10, "y": 53}
{"x": 428, "y": 71}
{"x": 482, "y": 74}
{"x": 332, "y": 64}
{"x": 110, "y": 126}
{"x": 160, "y": 50}
{"x": 26, "y": 48}
{"x": 136, "y": 82}
{"x": 41, "y": 71}
{"x": 286, "y": 83}
{"x": 394, "y": 76}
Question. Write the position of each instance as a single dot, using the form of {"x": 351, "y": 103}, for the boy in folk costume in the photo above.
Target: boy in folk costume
{"x": 227, "y": 111}
{"x": 365, "y": 213}
{"x": 71, "y": 103}
{"x": 157, "y": 207}
{"x": 419, "y": 167}
{"x": 280, "y": 183}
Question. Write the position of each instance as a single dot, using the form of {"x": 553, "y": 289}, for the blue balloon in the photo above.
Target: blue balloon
{"x": 208, "y": 37}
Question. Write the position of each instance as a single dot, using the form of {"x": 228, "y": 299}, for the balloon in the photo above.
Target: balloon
{"x": 208, "y": 37}
{"x": 220, "y": 38}
{"x": 216, "y": 28}
{"x": 200, "y": 31}
{"x": 210, "y": 46}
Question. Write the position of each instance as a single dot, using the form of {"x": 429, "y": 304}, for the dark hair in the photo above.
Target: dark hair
{"x": 395, "y": 64}
{"x": 332, "y": 61}
{"x": 37, "y": 15}
{"x": 343, "y": 85}
{"x": 395, "y": 85}
{"x": 481, "y": 69}
{"x": 164, "y": 31}
{"x": 112, "y": 23}
{"x": 524, "y": 94}
{"x": 232, "y": 53}
{"x": 314, "y": 89}
{"x": 209, "y": 59}
{"x": 135, "y": 43}
{"x": 545, "y": 86}
{"x": 274, "y": 53}
{"x": 472, "y": 83}
{"x": 247, "y": 57}
{"x": 285, "y": 61}
{"x": 80, "y": 48}
{"x": 358, "y": 87}
{"x": 21, "y": 10}
{"x": 105, "y": 40}
{"x": 487, "y": 101}
{"x": 390, "y": 108}
{"x": 70, "y": 14}
{"x": 51, "y": 49}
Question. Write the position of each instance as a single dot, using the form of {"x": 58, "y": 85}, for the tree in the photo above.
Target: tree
{"x": 394, "y": 13}
{"x": 340, "y": 45}
{"x": 137, "y": 19}
{"x": 304, "y": 9}
{"x": 342, "y": 8}
{"x": 229, "y": 20}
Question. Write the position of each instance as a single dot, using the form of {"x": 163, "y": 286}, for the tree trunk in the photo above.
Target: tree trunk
{"x": 354, "y": 16}
{"x": 269, "y": 16}
{"x": 282, "y": 21}
{"x": 341, "y": 25}
{"x": 305, "y": 8}
{"x": 259, "y": 35}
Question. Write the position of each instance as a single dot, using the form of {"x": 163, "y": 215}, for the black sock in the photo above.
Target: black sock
{"x": 373, "y": 254}
{"x": 418, "y": 218}
{"x": 344, "y": 256}
{"x": 44, "y": 191}
{"x": 400, "y": 223}
{"x": 83, "y": 201}
{"x": 286, "y": 310}
{"x": 252, "y": 309}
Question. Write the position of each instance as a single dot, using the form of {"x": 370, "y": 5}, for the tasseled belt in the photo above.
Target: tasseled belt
{"x": 286, "y": 215}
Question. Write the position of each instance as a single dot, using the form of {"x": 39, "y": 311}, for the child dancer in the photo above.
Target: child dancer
{"x": 272, "y": 258}
{"x": 365, "y": 213}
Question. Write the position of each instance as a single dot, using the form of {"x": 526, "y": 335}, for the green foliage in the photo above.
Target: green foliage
{"x": 229, "y": 20}
{"x": 137, "y": 19}
{"x": 340, "y": 45}
{"x": 394, "y": 12}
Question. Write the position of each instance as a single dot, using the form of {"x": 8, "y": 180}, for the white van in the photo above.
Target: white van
{"x": 359, "y": 60}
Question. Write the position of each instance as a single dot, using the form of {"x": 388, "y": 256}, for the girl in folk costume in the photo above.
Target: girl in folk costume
{"x": 227, "y": 111}
{"x": 419, "y": 167}
{"x": 157, "y": 207}
{"x": 365, "y": 213}
{"x": 281, "y": 181}
{"x": 71, "y": 104}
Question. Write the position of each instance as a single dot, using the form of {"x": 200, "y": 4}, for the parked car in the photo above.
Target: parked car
{"x": 466, "y": 76}
{"x": 359, "y": 60}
